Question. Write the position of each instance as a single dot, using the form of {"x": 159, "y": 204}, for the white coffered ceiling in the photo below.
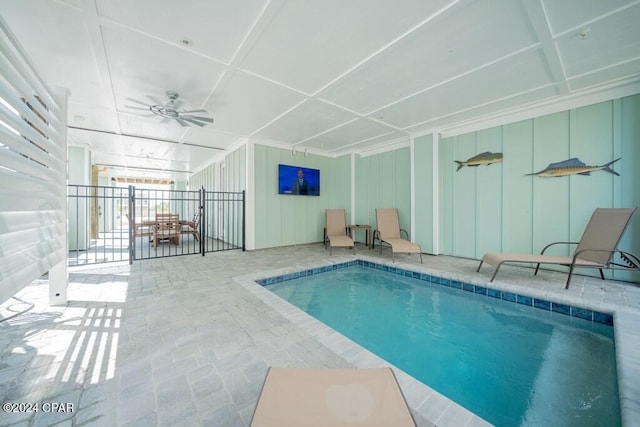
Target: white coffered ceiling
{"x": 330, "y": 76}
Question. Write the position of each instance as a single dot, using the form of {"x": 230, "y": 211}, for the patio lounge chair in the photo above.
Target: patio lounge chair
{"x": 596, "y": 248}
{"x": 331, "y": 397}
{"x": 389, "y": 232}
{"x": 336, "y": 230}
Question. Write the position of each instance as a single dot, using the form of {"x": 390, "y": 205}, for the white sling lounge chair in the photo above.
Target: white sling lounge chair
{"x": 389, "y": 232}
{"x": 596, "y": 248}
{"x": 294, "y": 397}
{"x": 336, "y": 230}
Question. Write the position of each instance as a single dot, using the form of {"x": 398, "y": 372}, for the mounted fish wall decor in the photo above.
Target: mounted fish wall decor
{"x": 573, "y": 167}
{"x": 485, "y": 158}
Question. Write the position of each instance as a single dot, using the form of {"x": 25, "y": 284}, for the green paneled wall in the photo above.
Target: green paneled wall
{"x": 500, "y": 208}
{"x": 423, "y": 177}
{"x": 445, "y": 202}
{"x": 282, "y": 220}
{"x": 234, "y": 179}
{"x": 339, "y": 180}
{"x": 489, "y": 190}
{"x": 481, "y": 209}
{"x": 205, "y": 178}
{"x": 464, "y": 194}
{"x": 234, "y": 175}
{"x": 235, "y": 170}
{"x": 550, "y": 195}
{"x": 627, "y": 146}
{"x": 384, "y": 181}
{"x": 517, "y": 203}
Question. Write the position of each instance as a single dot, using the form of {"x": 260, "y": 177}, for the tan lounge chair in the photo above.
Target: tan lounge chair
{"x": 596, "y": 248}
{"x": 336, "y": 230}
{"x": 389, "y": 232}
{"x": 294, "y": 397}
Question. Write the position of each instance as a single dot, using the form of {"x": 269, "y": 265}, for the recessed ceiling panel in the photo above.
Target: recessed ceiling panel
{"x": 517, "y": 74}
{"x": 209, "y": 136}
{"x": 141, "y": 66}
{"x": 92, "y": 117}
{"x": 356, "y": 131}
{"x": 56, "y": 38}
{"x": 481, "y": 113}
{"x": 568, "y": 14}
{"x": 310, "y": 43}
{"x": 151, "y": 127}
{"x": 609, "y": 75}
{"x": 305, "y": 121}
{"x": 308, "y": 71}
{"x": 609, "y": 41}
{"x": 245, "y": 103}
{"x": 458, "y": 41}
{"x": 142, "y": 153}
{"x": 379, "y": 142}
{"x": 214, "y": 28}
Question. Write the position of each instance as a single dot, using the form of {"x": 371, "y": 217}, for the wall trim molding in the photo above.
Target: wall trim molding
{"x": 537, "y": 109}
{"x": 384, "y": 148}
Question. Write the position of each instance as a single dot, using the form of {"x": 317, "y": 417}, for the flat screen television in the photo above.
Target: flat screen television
{"x": 298, "y": 180}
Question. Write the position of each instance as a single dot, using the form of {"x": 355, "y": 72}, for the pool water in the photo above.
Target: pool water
{"x": 510, "y": 364}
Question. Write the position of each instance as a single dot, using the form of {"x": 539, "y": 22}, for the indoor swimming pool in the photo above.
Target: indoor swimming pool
{"x": 511, "y": 359}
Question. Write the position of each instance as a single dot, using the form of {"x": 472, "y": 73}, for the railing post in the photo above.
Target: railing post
{"x": 132, "y": 224}
{"x": 203, "y": 218}
{"x": 244, "y": 210}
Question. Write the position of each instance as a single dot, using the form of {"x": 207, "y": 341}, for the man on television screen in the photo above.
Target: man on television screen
{"x": 300, "y": 185}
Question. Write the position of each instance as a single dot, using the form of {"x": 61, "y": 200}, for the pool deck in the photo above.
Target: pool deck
{"x": 188, "y": 340}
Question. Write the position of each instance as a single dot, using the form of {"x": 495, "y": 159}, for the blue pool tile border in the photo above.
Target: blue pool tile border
{"x": 568, "y": 310}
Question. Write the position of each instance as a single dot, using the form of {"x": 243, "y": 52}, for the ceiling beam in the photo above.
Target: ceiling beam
{"x": 540, "y": 23}
{"x": 94, "y": 30}
{"x": 146, "y": 138}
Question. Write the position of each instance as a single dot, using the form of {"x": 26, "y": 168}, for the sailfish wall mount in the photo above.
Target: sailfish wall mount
{"x": 485, "y": 158}
{"x": 573, "y": 166}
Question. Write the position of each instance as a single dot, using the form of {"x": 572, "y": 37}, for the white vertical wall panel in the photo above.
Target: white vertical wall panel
{"x": 32, "y": 171}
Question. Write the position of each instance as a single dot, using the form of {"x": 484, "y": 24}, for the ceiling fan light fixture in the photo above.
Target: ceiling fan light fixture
{"x": 170, "y": 110}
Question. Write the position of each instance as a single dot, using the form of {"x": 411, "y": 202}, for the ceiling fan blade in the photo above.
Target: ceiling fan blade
{"x": 155, "y": 100}
{"x": 202, "y": 119}
{"x": 136, "y": 108}
{"x": 138, "y": 115}
{"x": 165, "y": 121}
{"x": 182, "y": 122}
{"x": 195, "y": 122}
{"x": 193, "y": 111}
{"x": 137, "y": 102}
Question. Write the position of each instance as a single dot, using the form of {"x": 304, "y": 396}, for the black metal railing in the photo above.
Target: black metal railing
{"x": 225, "y": 226}
{"x": 98, "y": 226}
{"x": 108, "y": 224}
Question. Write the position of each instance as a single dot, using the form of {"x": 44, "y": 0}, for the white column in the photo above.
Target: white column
{"x": 250, "y": 199}
{"x": 436, "y": 194}
{"x": 412, "y": 187}
{"x": 58, "y": 275}
{"x": 353, "y": 189}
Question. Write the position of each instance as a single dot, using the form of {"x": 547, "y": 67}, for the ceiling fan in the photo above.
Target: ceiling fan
{"x": 170, "y": 111}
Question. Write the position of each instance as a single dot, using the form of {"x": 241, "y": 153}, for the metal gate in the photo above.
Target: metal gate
{"x": 110, "y": 224}
{"x": 98, "y": 225}
{"x": 225, "y": 223}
